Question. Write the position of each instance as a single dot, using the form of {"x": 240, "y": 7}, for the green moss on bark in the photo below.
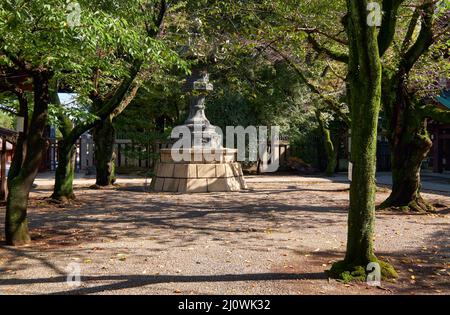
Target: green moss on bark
{"x": 63, "y": 190}
{"x": 350, "y": 272}
{"x": 16, "y": 223}
{"x": 26, "y": 164}
{"x": 364, "y": 98}
{"x": 409, "y": 142}
{"x": 104, "y": 139}
{"x": 329, "y": 146}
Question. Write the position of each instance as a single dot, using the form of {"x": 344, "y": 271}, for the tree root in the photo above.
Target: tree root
{"x": 418, "y": 205}
{"x": 96, "y": 186}
{"x": 347, "y": 272}
{"x": 61, "y": 200}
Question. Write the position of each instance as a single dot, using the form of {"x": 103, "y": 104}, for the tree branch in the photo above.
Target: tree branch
{"x": 409, "y": 33}
{"x": 329, "y": 52}
{"x": 388, "y": 23}
{"x": 21, "y": 64}
{"x": 310, "y": 31}
{"x": 331, "y": 103}
{"x": 158, "y": 19}
{"x": 109, "y": 106}
{"x": 424, "y": 40}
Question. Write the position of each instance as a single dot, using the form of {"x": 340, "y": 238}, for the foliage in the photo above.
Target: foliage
{"x": 109, "y": 36}
{"x": 6, "y": 121}
{"x": 154, "y": 111}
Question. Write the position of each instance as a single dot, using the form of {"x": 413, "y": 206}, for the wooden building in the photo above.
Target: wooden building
{"x": 440, "y": 134}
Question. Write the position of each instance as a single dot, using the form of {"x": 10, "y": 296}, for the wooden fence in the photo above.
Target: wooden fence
{"x": 128, "y": 155}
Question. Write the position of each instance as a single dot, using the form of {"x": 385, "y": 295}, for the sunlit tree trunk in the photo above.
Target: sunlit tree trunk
{"x": 364, "y": 96}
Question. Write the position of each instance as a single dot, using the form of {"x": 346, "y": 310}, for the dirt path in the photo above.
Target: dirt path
{"x": 274, "y": 239}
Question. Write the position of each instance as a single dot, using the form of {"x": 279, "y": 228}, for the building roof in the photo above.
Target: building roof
{"x": 9, "y": 146}
{"x": 10, "y": 135}
{"x": 444, "y": 98}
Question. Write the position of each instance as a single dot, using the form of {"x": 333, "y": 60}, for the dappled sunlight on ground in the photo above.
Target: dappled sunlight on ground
{"x": 276, "y": 238}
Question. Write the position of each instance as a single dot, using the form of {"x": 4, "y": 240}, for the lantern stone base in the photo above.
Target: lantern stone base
{"x": 202, "y": 172}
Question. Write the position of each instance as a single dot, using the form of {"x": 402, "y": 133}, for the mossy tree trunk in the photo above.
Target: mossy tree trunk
{"x": 65, "y": 171}
{"x": 406, "y": 127}
{"x": 104, "y": 139}
{"x": 21, "y": 180}
{"x": 364, "y": 82}
{"x": 364, "y": 97}
{"x": 21, "y": 144}
{"x": 104, "y": 133}
{"x": 410, "y": 144}
{"x": 406, "y": 160}
{"x": 329, "y": 146}
{"x": 406, "y": 118}
{"x": 63, "y": 189}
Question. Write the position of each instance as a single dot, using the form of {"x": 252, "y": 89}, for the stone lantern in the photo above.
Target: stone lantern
{"x": 207, "y": 166}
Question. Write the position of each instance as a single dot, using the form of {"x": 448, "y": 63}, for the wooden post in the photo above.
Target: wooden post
{"x": 3, "y": 186}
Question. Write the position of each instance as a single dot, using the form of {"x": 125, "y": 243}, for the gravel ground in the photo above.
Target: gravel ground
{"x": 276, "y": 238}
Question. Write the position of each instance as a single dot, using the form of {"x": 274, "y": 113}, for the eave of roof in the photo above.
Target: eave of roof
{"x": 444, "y": 98}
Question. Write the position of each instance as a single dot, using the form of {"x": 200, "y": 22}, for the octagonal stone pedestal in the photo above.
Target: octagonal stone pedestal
{"x": 205, "y": 171}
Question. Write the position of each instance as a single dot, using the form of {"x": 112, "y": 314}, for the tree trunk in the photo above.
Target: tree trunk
{"x": 104, "y": 139}
{"x": 19, "y": 186}
{"x": 405, "y": 123}
{"x": 364, "y": 97}
{"x": 104, "y": 133}
{"x": 21, "y": 145}
{"x": 408, "y": 150}
{"x": 63, "y": 190}
{"x": 409, "y": 142}
{"x": 329, "y": 146}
